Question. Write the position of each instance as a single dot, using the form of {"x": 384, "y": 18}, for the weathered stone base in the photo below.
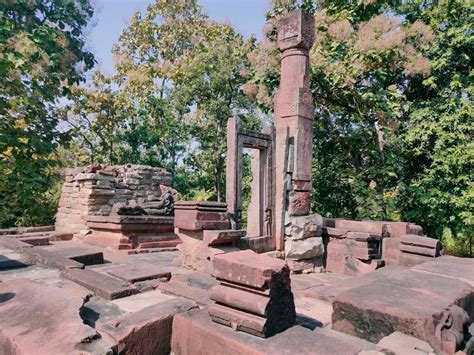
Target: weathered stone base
{"x": 409, "y": 302}
{"x": 131, "y": 232}
{"x": 195, "y": 333}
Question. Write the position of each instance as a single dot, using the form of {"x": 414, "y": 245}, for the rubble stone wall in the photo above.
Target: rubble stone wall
{"x": 93, "y": 190}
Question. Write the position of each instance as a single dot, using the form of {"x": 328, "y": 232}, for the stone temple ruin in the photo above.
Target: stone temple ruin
{"x": 130, "y": 269}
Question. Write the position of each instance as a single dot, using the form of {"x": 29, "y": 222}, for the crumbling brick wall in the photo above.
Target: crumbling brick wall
{"x": 93, "y": 190}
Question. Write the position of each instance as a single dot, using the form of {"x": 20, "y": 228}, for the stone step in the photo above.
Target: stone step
{"x": 147, "y": 331}
{"x": 105, "y": 286}
{"x": 139, "y": 272}
{"x": 195, "y": 286}
{"x": 35, "y": 240}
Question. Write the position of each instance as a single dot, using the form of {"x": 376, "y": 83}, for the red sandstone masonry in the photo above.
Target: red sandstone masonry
{"x": 52, "y": 259}
{"x": 148, "y": 331}
{"x": 243, "y": 267}
{"x": 102, "y": 285}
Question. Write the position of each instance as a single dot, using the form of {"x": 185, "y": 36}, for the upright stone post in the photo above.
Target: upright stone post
{"x": 294, "y": 114}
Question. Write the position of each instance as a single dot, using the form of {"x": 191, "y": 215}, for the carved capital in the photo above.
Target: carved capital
{"x": 296, "y": 30}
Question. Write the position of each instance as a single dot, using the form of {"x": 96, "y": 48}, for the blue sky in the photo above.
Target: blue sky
{"x": 111, "y": 16}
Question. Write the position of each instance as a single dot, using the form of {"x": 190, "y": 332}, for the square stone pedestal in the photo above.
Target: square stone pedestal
{"x": 131, "y": 232}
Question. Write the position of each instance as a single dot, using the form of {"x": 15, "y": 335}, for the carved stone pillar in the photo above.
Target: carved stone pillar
{"x": 294, "y": 114}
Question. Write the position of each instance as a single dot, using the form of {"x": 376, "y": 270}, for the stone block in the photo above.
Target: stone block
{"x": 298, "y": 203}
{"x": 52, "y": 259}
{"x": 262, "y": 311}
{"x": 450, "y": 266}
{"x": 296, "y": 30}
{"x": 194, "y": 333}
{"x": 40, "y": 319}
{"x": 195, "y": 286}
{"x": 148, "y": 331}
{"x": 102, "y": 285}
{"x": 240, "y": 298}
{"x": 409, "y": 302}
{"x": 139, "y": 272}
{"x": 297, "y": 249}
{"x": 195, "y": 220}
{"x": 13, "y": 243}
{"x": 81, "y": 253}
{"x": 217, "y": 237}
{"x": 302, "y": 227}
{"x": 249, "y": 269}
{"x": 306, "y": 265}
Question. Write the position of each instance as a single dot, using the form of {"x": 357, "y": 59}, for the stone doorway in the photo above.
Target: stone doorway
{"x": 261, "y": 221}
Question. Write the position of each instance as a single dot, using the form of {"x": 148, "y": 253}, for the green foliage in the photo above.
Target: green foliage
{"x": 41, "y": 48}
{"x": 392, "y": 83}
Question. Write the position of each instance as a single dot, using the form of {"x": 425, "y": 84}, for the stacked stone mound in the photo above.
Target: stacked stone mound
{"x": 93, "y": 191}
{"x": 355, "y": 247}
{"x": 203, "y": 228}
{"x": 304, "y": 248}
{"x": 353, "y": 252}
{"x": 254, "y": 295}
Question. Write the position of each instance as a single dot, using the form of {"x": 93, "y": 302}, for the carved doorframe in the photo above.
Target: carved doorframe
{"x": 237, "y": 139}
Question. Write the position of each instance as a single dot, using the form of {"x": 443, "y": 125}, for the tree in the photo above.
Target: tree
{"x": 435, "y": 139}
{"x": 175, "y": 55}
{"x": 392, "y": 83}
{"x": 42, "y": 50}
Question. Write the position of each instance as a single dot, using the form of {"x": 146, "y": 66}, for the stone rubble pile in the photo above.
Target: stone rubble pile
{"x": 304, "y": 248}
{"x": 254, "y": 295}
{"x": 93, "y": 191}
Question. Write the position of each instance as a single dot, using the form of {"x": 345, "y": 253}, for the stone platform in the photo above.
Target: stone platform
{"x": 131, "y": 232}
{"x": 195, "y": 333}
{"x": 157, "y": 297}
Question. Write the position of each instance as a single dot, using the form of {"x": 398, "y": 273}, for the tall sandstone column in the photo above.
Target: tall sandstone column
{"x": 294, "y": 114}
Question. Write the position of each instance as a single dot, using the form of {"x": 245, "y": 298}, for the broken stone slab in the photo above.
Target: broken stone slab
{"x": 79, "y": 252}
{"x": 302, "y": 227}
{"x": 450, "y": 266}
{"x": 195, "y": 286}
{"x": 102, "y": 285}
{"x": 13, "y": 260}
{"x": 195, "y": 333}
{"x": 40, "y": 319}
{"x": 399, "y": 343}
{"x": 35, "y": 240}
{"x": 139, "y": 272}
{"x": 217, "y": 237}
{"x": 298, "y": 249}
{"x": 13, "y": 244}
{"x": 97, "y": 310}
{"x": 328, "y": 293}
{"x": 248, "y": 268}
{"x": 147, "y": 331}
{"x": 51, "y": 259}
{"x": 408, "y": 302}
